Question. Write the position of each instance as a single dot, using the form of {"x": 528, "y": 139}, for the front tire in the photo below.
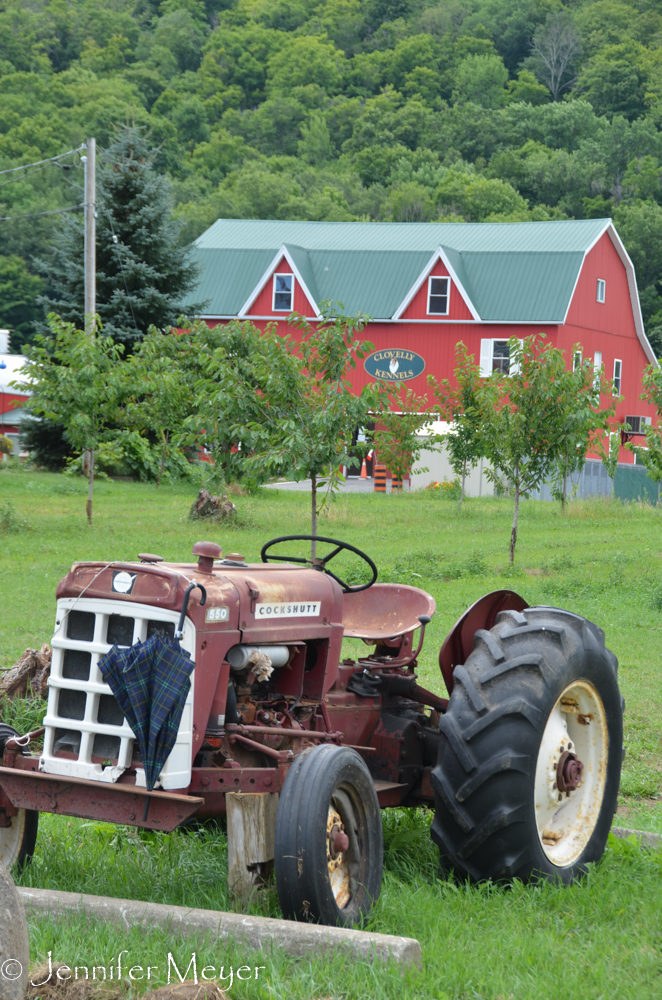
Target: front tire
{"x": 328, "y": 841}
{"x": 17, "y": 841}
{"x": 526, "y": 782}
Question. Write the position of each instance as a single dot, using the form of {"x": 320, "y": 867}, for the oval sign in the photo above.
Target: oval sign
{"x": 394, "y": 365}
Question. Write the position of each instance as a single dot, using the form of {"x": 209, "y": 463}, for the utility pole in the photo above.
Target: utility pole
{"x": 90, "y": 307}
{"x": 90, "y": 235}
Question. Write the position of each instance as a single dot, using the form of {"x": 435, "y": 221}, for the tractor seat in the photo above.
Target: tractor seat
{"x": 385, "y": 611}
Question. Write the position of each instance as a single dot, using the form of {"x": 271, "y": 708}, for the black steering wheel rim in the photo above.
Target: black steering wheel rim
{"x": 321, "y": 564}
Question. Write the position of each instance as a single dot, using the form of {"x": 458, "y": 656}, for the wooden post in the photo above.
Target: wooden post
{"x": 251, "y": 827}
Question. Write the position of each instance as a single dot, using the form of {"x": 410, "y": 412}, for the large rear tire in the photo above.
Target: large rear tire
{"x": 17, "y": 841}
{"x": 328, "y": 842}
{"x": 526, "y": 782}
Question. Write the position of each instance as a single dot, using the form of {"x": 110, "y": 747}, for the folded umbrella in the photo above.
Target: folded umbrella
{"x": 150, "y": 681}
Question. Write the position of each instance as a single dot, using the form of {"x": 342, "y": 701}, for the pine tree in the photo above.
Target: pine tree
{"x": 143, "y": 272}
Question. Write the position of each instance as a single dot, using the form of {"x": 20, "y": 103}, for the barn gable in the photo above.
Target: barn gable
{"x": 438, "y": 300}
{"x": 601, "y": 298}
{"x": 615, "y": 307}
{"x": 287, "y": 285}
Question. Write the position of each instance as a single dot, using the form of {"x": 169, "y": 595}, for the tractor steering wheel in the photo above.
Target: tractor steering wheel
{"x": 321, "y": 563}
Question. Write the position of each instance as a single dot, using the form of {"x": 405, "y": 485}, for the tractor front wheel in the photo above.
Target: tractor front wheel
{"x": 328, "y": 842}
{"x": 529, "y": 763}
{"x": 17, "y": 841}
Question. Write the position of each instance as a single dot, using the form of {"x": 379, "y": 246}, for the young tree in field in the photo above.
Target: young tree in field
{"x": 522, "y": 418}
{"x": 398, "y": 441}
{"x": 289, "y": 407}
{"x": 650, "y": 454}
{"x": 220, "y": 365}
{"x": 458, "y": 404}
{"x": 608, "y": 449}
{"x": 584, "y": 423}
{"x": 158, "y": 385}
{"x": 74, "y": 380}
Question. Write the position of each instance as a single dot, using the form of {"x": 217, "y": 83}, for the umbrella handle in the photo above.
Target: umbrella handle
{"x": 179, "y": 631}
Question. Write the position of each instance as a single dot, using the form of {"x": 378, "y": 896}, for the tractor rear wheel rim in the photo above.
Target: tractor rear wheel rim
{"x": 337, "y": 860}
{"x": 571, "y": 773}
{"x": 11, "y": 839}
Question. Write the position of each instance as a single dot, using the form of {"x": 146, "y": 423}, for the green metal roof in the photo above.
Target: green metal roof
{"x": 519, "y": 272}
{"x": 228, "y": 278}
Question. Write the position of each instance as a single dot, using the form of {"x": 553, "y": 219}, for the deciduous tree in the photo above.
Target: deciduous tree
{"x": 73, "y": 380}
{"x": 522, "y": 416}
{"x": 557, "y": 48}
{"x": 288, "y": 406}
{"x": 398, "y": 440}
{"x": 584, "y": 423}
{"x": 459, "y": 404}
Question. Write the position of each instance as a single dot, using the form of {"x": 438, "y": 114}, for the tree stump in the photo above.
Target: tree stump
{"x": 251, "y": 827}
{"x": 14, "y": 946}
{"x": 214, "y": 507}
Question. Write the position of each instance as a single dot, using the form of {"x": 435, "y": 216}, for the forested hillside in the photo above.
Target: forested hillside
{"x": 399, "y": 110}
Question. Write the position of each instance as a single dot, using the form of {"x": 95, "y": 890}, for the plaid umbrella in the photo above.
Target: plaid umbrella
{"x": 150, "y": 681}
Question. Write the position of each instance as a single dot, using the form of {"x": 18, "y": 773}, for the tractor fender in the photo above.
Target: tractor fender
{"x": 482, "y": 614}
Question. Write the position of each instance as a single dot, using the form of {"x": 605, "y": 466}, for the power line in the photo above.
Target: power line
{"x": 17, "y": 180}
{"x": 31, "y": 215}
{"x": 38, "y": 163}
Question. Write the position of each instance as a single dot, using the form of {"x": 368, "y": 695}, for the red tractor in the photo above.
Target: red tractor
{"x": 521, "y": 763}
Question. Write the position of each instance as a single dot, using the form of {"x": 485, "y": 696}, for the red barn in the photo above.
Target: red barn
{"x": 426, "y": 286}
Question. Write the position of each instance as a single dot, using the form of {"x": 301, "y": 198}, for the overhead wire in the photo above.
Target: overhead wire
{"x": 31, "y": 215}
{"x": 16, "y": 180}
{"x": 38, "y": 163}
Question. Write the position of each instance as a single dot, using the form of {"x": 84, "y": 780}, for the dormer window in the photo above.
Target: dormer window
{"x": 602, "y": 285}
{"x": 438, "y": 296}
{"x": 283, "y": 292}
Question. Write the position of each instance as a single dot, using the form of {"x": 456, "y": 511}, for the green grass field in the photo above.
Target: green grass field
{"x": 599, "y": 938}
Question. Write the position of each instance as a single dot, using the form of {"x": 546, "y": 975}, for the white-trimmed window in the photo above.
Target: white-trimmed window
{"x": 438, "y": 296}
{"x": 494, "y": 357}
{"x": 576, "y": 361}
{"x": 600, "y": 293}
{"x": 618, "y": 371}
{"x": 283, "y": 292}
{"x": 597, "y": 368}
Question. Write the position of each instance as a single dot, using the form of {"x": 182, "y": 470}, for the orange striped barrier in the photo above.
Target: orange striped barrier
{"x": 380, "y": 479}
{"x": 396, "y": 483}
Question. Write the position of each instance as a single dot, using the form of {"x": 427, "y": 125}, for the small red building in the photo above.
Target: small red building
{"x": 426, "y": 286}
{"x": 11, "y": 400}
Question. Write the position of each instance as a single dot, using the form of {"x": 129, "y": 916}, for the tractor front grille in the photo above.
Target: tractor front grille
{"x": 86, "y": 733}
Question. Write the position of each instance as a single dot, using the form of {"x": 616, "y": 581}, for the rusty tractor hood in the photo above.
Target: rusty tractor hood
{"x": 259, "y": 598}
